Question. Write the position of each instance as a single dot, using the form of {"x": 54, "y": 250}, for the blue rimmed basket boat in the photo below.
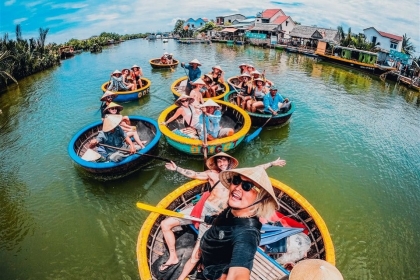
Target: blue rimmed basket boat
{"x": 232, "y": 116}
{"x": 155, "y": 63}
{"x": 126, "y": 96}
{"x": 178, "y": 88}
{"x": 150, "y": 242}
{"x": 259, "y": 119}
{"x": 146, "y": 128}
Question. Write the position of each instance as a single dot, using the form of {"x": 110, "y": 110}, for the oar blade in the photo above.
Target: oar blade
{"x": 252, "y": 136}
{"x": 166, "y": 212}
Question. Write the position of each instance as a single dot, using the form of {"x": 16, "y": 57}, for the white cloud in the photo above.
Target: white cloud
{"x": 19, "y": 20}
{"x": 9, "y": 3}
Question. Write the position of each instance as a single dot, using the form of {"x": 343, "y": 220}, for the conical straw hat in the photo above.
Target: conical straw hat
{"x": 209, "y": 76}
{"x": 195, "y": 61}
{"x": 212, "y": 164}
{"x": 91, "y": 155}
{"x": 111, "y": 122}
{"x": 210, "y": 103}
{"x": 114, "y": 105}
{"x": 116, "y": 72}
{"x": 217, "y": 67}
{"x": 107, "y": 94}
{"x": 199, "y": 81}
{"x": 184, "y": 96}
{"x": 135, "y": 66}
{"x": 255, "y": 174}
{"x": 315, "y": 269}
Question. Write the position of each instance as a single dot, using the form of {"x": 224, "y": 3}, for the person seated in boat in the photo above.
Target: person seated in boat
{"x": 113, "y": 135}
{"x": 257, "y": 100}
{"x": 106, "y": 99}
{"x": 246, "y": 90}
{"x": 207, "y": 90}
{"x": 242, "y": 68}
{"x": 131, "y": 131}
{"x": 197, "y": 92}
{"x": 268, "y": 83}
{"x": 116, "y": 82}
{"x": 193, "y": 73}
{"x": 274, "y": 102}
{"x": 251, "y": 197}
{"x": 170, "y": 58}
{"x": 250, "y": 68}
{"x": 213, "y": 115}
{"x": 211, "y": 202}
{"x": 191, "y": 116}
{"x": 164, "y": 58}
{"x": 128, "y": 79}
{"x": 137, "y": 73}
{"x": 217, "y": 76}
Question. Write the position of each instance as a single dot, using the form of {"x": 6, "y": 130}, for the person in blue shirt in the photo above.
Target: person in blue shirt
{"x": 274, "y": 102}
{"x": 213, "y": 115}
{"x": 193, "y": 73}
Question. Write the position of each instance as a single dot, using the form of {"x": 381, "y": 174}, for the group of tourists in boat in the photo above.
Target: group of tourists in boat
{"x": 113, "y": 143}
{"x": 256, "y": 93}
{"x": 126, "y": 79}
{"x": 167, "y": 58}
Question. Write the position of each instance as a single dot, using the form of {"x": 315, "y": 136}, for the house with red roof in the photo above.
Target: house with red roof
{"x": 387, "y": 41}
{"x": 272, "y": 22}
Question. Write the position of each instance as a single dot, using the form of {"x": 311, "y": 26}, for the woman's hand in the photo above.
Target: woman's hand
{"x": 171, "y": 166}
{"x": 278, "y": 162}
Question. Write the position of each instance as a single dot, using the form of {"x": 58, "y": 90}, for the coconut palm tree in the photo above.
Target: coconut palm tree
{"x": 5, "y": 66}
{"x": 407, "y": 46}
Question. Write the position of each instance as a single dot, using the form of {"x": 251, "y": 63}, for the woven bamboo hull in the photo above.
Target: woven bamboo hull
{"x": 126, "y": 96}
{"x": 258, "y": 119}
{"x": 232, "y": 115}
{"x": 150, "y": 242}
{"x": 178, "y": 88}
{"x": 155, "y": 63}
{"x": 148, "y": 131}
{"x": 233, "y": 81}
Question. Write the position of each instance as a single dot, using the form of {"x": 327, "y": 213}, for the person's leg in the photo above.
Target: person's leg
{"x": 192, "y": 261}
{"x": 256, "y": 105}
{"x": 136, "y": 137}
{"x": 167, "y": 225}
{"x": 224, "y": 132}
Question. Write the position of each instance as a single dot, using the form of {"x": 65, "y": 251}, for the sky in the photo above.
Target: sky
{"x": 82, "y": 19}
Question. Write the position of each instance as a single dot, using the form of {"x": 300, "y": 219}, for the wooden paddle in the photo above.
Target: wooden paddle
{"x": 167, "y": 212}
{"x": 251, "y": 137}
{"x": 126, "y": 150}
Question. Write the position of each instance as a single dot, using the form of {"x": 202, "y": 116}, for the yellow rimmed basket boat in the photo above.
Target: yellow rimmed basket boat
{"x": 232, "y": 117}
{"x": 178, "y": 88}
{"x": 155, "y": 63}
{"x": 150, "y": 242}
{"x": 130, "y": 95}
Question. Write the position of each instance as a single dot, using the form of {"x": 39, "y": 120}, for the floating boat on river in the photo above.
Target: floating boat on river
{"x": 146, "y": 128}
{"x": 232, "y": 116}
{"x": 155, "y": 63}
{"x": 150, "y": 242}
{"x": 259, "y": 118}
{"x": 130, "y": 95}
{"x": 178, "y": 88}
{"x": 233, "y": 83}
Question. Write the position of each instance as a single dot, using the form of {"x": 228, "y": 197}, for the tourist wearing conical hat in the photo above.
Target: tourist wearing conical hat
{"x": 190, "y": 114}
{"x": 218, "y": 77}
{"x": 131, "y": 131}
{"x": 117, "y": 83}
{"x": 207, "y": 90}
{"x": 256, "y": 101}
{"x": 128, "y": 79}
{"x": 112, "y": 135}
{"x": 212, "y": 202}
{"x": 193, "y": 73}
{"x": 106, "y": 98}
{"x": 137, "y": 73}
{"x": 246, "y": 90}
{"x": 229, "y": 246}
{"x": 196, "y": 92}
{"x": 213, "y": 115}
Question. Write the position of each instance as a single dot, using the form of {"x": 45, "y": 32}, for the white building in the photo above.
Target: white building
{"x": 387, "y": 41}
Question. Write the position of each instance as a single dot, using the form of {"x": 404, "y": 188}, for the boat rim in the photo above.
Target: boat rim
{"x": 149, "y": 83}
{"x": 179, "y": 80}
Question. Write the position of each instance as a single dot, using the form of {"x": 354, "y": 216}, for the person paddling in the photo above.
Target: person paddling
{"x": 211, "y": 202}
{"x": 193, "y": 73}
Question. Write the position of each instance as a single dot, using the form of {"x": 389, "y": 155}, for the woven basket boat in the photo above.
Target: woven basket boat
{"x": 126, "y": 96}
{"x": 155, "y": 63}
{"x": 178, "y": 88}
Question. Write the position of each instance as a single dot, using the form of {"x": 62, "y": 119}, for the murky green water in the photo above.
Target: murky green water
{"x": 352, "y": 149}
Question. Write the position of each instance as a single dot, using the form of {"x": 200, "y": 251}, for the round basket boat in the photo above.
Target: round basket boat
{"x": 178, "y": 88}
{"x": 155, "y": 63}
{"x": 146, "y": 128}
{"x": 259, "y": 118}
{"x": 150, "y": 242}
{"x": 125, "y": 96}
{"x": 233, "y": 82}
{"x": 232, "y": 116}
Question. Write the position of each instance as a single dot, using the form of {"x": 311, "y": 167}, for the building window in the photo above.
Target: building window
{"x": 201, "y": 23}
{"x": 193, "y": 26}
{"x": 286, "y": 22}
{"x": 374, "y": 39}
{"x": 229, "y": 21}
{"x": 393, "y": 46}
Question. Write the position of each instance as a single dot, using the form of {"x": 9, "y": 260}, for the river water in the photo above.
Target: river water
{"x": 352, "y": 150}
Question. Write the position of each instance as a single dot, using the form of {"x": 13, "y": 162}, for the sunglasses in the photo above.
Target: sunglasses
{"x": 246, "y": 185}
{"x": 184, "y": 100}
{"x": 113, "y": 109}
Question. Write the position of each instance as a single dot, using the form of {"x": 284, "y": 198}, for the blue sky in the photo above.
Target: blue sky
{"x": 82, "y": 19}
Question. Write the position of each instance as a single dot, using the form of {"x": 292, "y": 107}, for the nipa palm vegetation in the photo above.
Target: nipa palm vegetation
{"x": 20, "y": 58}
